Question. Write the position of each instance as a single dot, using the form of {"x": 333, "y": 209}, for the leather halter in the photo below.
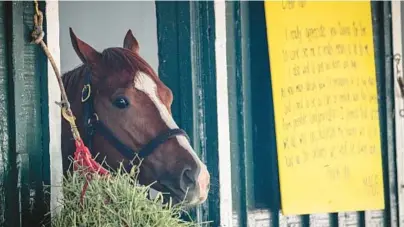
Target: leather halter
{"x": 93, "y": 124}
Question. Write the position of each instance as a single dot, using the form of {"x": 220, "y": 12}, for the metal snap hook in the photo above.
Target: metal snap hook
{"x": 92, "y": 119}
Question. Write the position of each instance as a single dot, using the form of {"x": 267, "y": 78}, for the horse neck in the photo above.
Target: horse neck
{"x": 73, "y": 82}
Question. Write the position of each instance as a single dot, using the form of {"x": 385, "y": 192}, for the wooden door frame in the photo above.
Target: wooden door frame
{"x": 192, "y": 62}
{"x": 32, "y": 115}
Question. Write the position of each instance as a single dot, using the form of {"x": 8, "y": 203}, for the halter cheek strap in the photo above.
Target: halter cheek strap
{"x": 92, "y": 125}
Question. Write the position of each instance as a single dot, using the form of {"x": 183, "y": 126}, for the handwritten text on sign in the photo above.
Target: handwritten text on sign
{"x": 326, "y": 110}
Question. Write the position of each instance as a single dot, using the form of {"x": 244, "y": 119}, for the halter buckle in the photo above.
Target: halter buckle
{"x": 93, "y": 119}
{"x": 84, "y": 97}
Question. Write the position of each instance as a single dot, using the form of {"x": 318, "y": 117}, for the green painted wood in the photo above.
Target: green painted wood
{"x": 9, "y": 206}
{"x": 22, "y": 76}
{"x": 43, "y": 206}
{"x": 174, "y": 63}
{"x": 14, "y": 183}
{"x": 4, "y": 146}
{"x": 187, "y": 66}
{"x": 168, "y": 59}
{"x": 19, "y": 109}
{"x": 239, "y": 88}
{"x": 384, "y": 71}
{"x": 266, "y": 186}
{"x": 204, "y": 95}
{"x": 36, "y": 97}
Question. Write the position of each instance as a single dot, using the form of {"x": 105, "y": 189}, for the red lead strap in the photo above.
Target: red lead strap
{"x": 86, "y": 164}
{"x": 82, "y": 158}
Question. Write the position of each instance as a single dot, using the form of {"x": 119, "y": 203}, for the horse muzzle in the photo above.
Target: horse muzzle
{"x": 192, "y": 189}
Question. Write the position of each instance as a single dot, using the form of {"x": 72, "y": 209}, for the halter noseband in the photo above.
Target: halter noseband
{"x": 93, "y": 124}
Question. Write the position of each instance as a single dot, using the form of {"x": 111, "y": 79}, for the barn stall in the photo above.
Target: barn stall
{"x": 214, "y": 56}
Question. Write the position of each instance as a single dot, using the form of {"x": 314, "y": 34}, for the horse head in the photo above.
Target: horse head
{"x": 131, "y": 109}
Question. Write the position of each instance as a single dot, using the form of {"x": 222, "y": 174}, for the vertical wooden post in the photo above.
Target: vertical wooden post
{"x": 23, "y": 145}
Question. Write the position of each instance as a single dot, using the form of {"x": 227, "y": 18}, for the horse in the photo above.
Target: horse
{"x": 124, "y": 111}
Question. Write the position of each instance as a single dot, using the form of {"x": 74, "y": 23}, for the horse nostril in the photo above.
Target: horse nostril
{"x": 188, "y": 178}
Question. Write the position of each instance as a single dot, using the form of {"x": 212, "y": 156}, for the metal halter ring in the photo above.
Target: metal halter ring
{"x": 88, "y": 88}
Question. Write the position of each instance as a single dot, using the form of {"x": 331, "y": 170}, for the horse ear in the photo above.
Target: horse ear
{"x": 130, "y": 42}
{"x": 86, "y": 53}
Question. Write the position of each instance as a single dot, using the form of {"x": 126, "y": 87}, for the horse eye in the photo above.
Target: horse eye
{"x": 121, "y": 102}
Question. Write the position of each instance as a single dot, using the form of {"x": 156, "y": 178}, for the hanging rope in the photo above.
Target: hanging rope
{"x": 82, "y": 155}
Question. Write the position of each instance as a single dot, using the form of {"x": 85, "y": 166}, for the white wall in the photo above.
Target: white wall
{"x": 398, "y": 50}
{"x": 226, "y": 208}
{"x": 55, "y": 151}
{"x": 104, "y": 25}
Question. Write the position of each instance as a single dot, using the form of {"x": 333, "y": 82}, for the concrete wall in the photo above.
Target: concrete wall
{"x": 104, "y": 24}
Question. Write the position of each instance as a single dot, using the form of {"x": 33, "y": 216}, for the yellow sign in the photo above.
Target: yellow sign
{"x": 326, "y": 111}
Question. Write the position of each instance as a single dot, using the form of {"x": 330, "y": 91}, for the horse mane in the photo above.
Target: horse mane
{"x": 115, "y": 60}
{"x": 71, "y": 81}
{"x": 119, "y": 59}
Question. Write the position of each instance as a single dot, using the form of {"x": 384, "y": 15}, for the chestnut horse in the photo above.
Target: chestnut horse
{"x": 123, "y": 111}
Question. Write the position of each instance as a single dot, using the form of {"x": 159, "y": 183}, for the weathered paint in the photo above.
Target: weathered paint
{"x": 186, "y": 39}
{"x": 384, "y": 38}
{"x": 240, "y": 103}
{"x": 7, "y": 162}
{"x": 23, "y": 149}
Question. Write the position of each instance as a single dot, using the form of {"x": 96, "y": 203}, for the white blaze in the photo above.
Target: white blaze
{"x": 145, "y": 84}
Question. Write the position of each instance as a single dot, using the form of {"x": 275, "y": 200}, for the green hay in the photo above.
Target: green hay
{"x": 115, "y": 201}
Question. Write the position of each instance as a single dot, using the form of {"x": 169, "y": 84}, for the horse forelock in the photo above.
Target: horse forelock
{"x": 125, "y": 66}
{"x": 121, "y": 68}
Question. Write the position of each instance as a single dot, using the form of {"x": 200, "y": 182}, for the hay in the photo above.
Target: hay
{"x": 115, "y": 201}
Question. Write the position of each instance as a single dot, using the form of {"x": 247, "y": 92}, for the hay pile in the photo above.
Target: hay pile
{"x": 116, "y": 201}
